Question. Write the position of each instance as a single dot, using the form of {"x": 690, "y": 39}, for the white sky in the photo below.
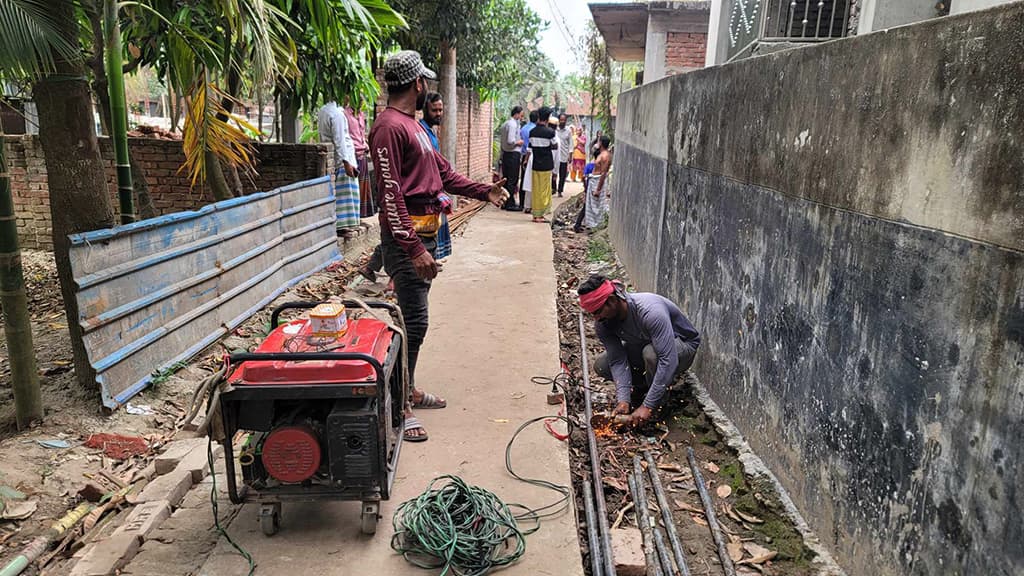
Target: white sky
{"x": 566, "y": 19}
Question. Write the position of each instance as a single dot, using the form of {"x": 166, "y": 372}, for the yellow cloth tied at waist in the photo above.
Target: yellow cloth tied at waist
{"x": 427, "y": 224}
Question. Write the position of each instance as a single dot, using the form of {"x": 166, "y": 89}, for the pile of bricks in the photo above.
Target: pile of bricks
{"x": 183, "y": 464}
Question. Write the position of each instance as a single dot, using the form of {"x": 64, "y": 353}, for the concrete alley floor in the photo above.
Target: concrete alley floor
{"x": 493, "y": 326}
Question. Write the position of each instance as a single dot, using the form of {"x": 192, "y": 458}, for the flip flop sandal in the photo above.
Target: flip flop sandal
{"x": 414, "y": 424}
{"x": 430, "y": 402}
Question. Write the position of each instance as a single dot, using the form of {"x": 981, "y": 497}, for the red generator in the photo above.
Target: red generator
{"x": 321, "y": 416}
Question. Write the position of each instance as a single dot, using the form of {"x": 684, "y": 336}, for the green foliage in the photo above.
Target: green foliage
{"x": 336, "y": 50}
{"x": 600, "y": 78}
{"x": 29, "y": 40}
{"x": 496, "y": 40}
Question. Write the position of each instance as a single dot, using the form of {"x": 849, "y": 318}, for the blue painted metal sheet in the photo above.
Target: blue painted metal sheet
{"x": 159, "y": 291}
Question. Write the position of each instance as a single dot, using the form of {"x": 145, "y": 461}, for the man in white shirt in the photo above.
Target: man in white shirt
{"x": 564, "y": 135}
{"x": 511, "y": 155}
{"x": 333, "y": 128}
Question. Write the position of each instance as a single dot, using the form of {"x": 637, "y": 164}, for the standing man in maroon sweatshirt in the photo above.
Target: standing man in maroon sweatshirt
{"x": 410, "y": 176}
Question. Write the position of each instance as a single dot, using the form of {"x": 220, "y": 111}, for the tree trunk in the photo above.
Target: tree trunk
{"x": 450, "y": 130}
{"x": 289, "y": 119}
{"x": 145, "y": 205}
{"x": 118, "y": 112}
{"x": 28, "y": 400}
{"x": 447, "y": 81}
{"x": 79, "y": 199}
{"x": 99, "y": 71}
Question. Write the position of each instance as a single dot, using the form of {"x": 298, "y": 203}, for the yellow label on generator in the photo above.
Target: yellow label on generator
{"x": 328, "y": 321}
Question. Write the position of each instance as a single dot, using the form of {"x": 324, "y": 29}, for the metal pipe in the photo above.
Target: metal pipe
{"x": 709, "y": 513}
{"x": 595, "y": 461}
{"x": 666, "y": 512}
{"x": 643, "y": 520}
{"x": 594, "y": 544}
{"x": 662, "y": 549}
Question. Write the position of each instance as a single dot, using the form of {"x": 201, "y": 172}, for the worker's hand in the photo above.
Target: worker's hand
{"x": 350, "y": 170}
{"x": 597, "y": 192}
{"x": 642, "y": 414}
{"x": 425, "y": 265}
{"x": 621, "y": 408}
{"x": 519, "y": 142}
{"x": 498, "y": 195}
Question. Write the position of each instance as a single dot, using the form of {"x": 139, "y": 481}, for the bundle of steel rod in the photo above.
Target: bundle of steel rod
{"x": 464, "y": 213}
{"x": 709, "y": 515}
{"x": 661, "y": 562}
{"x": 601, "y": 560}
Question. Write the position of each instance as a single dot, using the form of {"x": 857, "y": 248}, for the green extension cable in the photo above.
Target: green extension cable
{"x": 463, "y": 529}
{"x": 216, "y": 515}
{"x": 466, "y": 530}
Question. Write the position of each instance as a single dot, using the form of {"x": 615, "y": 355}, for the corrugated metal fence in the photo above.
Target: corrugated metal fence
{"x": 158, "y": 291}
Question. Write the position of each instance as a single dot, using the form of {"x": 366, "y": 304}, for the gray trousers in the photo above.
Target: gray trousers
{"x": 643, "y": 363}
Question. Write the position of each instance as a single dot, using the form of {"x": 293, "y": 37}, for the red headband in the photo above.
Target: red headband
{"x": 593, "y": 301}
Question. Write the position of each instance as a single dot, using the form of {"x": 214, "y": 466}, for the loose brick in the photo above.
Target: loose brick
{"x": 628, "y": 551}
{"x": 108, "y": 556}
{"x": 175, "y": 452}
{"x": 144, "y": 518}
{"x": 170, "y": 487}
{"x": 197, "y": 461}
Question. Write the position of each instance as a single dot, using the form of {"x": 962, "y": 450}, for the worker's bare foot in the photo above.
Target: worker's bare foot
{"x": 421, "y": 399}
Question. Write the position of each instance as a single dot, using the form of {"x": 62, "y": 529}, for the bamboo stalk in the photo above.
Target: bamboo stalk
{"x": 118, "y": 111}
{"x": 28, "y": 400}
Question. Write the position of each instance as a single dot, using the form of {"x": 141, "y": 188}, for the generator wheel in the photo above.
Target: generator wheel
{"x": 270, "y": 519}
{"x": 369, "y": 517}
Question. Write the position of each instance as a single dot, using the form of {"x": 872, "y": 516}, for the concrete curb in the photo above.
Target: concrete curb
{"x": 185, "y": 464}
{"x": 755, "y": 467}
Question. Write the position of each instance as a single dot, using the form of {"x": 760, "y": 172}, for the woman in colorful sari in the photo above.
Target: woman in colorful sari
{"x": 579, "y": 156}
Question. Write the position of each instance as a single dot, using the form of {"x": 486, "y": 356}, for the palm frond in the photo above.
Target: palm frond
{"x": 29, "y": 38}
{"x": 206, "y": 129}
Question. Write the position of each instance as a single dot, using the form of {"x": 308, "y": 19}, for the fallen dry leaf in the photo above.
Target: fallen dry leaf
{"x": 757, "y": 560}
{"x": 680, "y": 505}
{"x": 670, "y": 468}
{"x": 724, "y": 491}
{"x": 711, "y": 467}
{"x": 735, "y": 551}
{"x": 755, "y": 550}
{"x": 749, "y": 518}
{"x": 699, "y": 520}
{"x": 615, "y": 483}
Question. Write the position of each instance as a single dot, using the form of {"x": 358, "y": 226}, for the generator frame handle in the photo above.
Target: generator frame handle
{"x": 275, "y": 316}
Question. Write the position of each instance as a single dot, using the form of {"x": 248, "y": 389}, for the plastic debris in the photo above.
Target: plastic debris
{"x": 54, "y": 443}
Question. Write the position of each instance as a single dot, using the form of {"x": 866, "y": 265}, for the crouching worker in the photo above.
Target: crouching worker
{"x": 648, "y": 343}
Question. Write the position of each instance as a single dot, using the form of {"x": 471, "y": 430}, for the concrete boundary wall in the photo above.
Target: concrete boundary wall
{"x": 158, "y": 291}
{"x": 845, "y": 224}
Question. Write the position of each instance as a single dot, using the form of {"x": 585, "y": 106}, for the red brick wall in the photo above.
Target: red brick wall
{"x": 476, "y": 131}
{"x": 684, "y": 51}
{"x": 278, "y": 164}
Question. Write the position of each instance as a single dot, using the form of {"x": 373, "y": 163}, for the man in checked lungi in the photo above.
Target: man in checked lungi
{"x": 333, "y": 127}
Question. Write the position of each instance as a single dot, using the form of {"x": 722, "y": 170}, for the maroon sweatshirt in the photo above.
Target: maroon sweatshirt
{"x": 410, "y": 175}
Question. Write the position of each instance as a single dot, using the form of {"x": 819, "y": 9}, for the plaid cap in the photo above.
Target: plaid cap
{"x": 405, "y": 67}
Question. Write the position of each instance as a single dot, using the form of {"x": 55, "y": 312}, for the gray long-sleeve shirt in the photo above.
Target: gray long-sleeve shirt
{"x": 510, "y": 135}
{"x": 333, "y": 128}
{"x": 650, "y": 319}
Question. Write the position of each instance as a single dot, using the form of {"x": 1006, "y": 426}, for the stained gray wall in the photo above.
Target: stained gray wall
{"x": 845, "y": 223}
